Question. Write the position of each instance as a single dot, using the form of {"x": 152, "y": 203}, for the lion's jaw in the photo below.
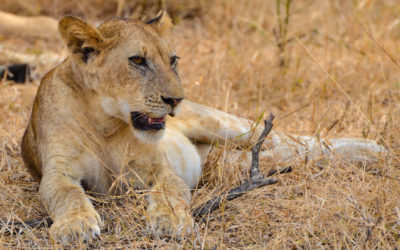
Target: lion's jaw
{"x": 147, "y": 127}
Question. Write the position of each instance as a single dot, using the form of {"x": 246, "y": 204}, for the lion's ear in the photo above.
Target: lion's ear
{"x": 81, "y": 38}
{"x": 162, "y": 23}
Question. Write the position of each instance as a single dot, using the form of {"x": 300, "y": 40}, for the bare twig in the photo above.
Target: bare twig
{"x": 279, "y": 171}
{"x": 236, "y": 192}
{"x": 255, "y": 169}
{"x": 256, "y": 178}
{"x": 18, "y": 227}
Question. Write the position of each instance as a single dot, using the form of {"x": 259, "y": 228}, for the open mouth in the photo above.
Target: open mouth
{"x": 143, "y": 122}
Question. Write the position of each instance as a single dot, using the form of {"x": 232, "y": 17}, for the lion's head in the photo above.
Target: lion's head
{"x": 130, "y": 67}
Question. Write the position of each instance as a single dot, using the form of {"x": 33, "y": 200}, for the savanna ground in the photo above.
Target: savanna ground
{"x": 330, "y": 70}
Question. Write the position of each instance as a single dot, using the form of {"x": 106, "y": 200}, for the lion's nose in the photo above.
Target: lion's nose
{"x": 171, "y": 101}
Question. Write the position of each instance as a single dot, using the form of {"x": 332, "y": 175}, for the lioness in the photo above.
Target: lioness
{"x": 103, "y": 112}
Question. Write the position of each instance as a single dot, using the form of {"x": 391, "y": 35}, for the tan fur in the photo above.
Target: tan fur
{"x": 43, "y": 27}
{"x": 80, "y": 130}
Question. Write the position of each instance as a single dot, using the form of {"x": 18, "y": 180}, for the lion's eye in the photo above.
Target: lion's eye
{"x": 173, "y": 60}
{"x": 138, "y": 60}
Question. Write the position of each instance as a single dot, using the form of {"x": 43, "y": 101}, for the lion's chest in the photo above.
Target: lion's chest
{"x": 175, "y": 150}
{"x": 182, "y": 156}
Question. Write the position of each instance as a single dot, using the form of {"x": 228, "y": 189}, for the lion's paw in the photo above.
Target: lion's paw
{"x": 178, "y": 223}
{"x": 81, "y": 226}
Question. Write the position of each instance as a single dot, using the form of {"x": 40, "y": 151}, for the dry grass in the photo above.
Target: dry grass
{"x": 340, "y": 78}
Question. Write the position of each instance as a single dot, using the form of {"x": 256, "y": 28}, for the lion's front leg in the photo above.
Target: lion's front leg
{"x": 73, "y": 214}
{"x": 169, "y": 205}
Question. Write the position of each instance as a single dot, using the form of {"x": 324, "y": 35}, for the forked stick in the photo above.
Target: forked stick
{"x": 255, "y": 161}
{"x": 256, "y": 178}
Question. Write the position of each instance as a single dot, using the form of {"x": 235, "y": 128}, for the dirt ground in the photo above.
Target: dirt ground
{"x": 325, "y": 68}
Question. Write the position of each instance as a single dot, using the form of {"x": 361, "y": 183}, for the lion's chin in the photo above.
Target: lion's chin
{"x": 148, "y": 137}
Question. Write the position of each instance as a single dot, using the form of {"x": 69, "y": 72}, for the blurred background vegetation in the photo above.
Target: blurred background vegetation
{"x": 103, "y": 9}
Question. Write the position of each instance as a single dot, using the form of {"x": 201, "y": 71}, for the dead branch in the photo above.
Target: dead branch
{"x": 236, "y": 192}
{"x": 279, "y": 171}
{"x": 256, "y": 178}
{"x": 255, "y": 161}
{"x": 19, "y": 227}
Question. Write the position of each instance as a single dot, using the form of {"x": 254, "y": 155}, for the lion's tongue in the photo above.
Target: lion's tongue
{"x": 156, "y": 120}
